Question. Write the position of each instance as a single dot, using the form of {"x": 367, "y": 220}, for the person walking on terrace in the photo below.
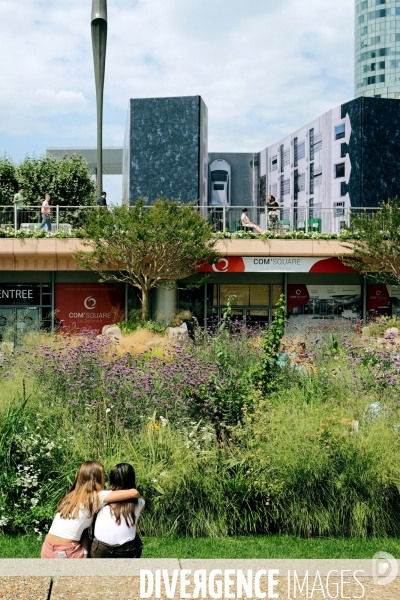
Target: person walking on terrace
{"x": 102, "y": 201}
{"x": 45, "y": 210}
{"x": 247, "y": 223}
{"x": 19, "y": 203}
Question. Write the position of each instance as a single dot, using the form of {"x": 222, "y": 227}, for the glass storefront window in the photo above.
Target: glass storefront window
{"x": 277, "y": 291}
{"x": 259, "y": 295}
{"x": 238, "y": 293}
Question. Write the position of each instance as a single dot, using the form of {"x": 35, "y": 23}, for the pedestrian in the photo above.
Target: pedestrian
{"x": 102, "y": 201}
{"x": 19, "y": 203}
{"x": 272, "y": 210}
{"x": 45, "y": 210}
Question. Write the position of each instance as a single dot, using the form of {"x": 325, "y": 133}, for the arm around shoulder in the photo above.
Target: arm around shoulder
{"x": 121, "y": 495}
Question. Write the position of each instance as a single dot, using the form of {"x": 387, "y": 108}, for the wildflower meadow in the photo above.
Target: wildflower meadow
{"x": 243, "y": 432}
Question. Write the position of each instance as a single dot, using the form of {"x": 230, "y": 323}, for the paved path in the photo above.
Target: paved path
{"x": 119, "y": 579}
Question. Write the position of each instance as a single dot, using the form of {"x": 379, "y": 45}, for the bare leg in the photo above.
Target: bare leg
{"x": 85, "y": 541}
{"x": 256, "y": 227}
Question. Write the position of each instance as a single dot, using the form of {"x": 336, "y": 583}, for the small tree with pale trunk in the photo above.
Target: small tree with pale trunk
{"x": 147, "y": 246}
{"x": 376, "y": 244}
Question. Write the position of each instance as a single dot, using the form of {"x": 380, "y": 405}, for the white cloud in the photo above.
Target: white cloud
{"x": 263, "y": 68}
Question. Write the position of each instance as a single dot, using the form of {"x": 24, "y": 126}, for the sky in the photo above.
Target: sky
{"x": 264, "y": 68}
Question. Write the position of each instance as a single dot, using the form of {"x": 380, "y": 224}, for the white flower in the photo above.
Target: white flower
{"x": 154, "y": 480}
{"x": 108, "y": 410}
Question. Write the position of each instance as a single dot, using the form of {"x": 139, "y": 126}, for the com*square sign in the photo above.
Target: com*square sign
{"x": 81, "y": 306}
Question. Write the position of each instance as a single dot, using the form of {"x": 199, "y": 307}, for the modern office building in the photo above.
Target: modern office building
{"x": 346, "y": 159}
{"x": 165, "y": 149}
{"x": 377, "y": 48}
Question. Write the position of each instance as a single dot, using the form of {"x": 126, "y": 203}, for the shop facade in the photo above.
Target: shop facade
{"x": 250, "y": 278}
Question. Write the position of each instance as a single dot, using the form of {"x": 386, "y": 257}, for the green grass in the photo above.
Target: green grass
{"x": 278, "y": 546}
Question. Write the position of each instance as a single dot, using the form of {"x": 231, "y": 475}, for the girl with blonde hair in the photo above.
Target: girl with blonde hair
{"x": 67, "y": 537}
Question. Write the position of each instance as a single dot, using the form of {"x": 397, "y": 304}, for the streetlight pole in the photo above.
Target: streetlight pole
{"x": 99, "y": 43}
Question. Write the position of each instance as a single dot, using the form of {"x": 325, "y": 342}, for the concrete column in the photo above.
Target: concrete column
{"x": 165, "y": 304}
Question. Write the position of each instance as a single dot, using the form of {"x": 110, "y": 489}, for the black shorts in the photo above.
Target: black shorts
{"x": 131, "y": 549}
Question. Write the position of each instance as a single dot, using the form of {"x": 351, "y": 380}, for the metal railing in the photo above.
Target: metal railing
{"x": 308, "y": 219}
{"x": 29, "y": 218}
{"x": 283, "y": 220}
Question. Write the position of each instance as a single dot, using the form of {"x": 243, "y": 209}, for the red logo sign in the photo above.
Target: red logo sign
{"x": 81, "y": 306}
{"x": 231, "y": 264}
{"x": 378, "y": 298}
{"x": 297, "y": 295}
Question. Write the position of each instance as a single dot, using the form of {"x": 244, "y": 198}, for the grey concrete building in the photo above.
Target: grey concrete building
{"x": 165, "y": 149}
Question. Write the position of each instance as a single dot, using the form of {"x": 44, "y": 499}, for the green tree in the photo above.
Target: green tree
{"x": 66, "y": 179}
{"x": 8, "y": 180}
{"x": 376, "y": 244}
{"x": 147, "y": 246}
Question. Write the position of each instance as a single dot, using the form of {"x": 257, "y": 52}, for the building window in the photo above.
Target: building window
{"x": 302, "y": 182}
{"x": 274, "y": 163}
{"x": 286, "y": 157}
{"x": 340, "y": 170}
{"x": 262, "y": 189}
{"x": 312, "y": 178}
{"x": 364, "y": 5}
{"x": 381, "y": 79}
{"x": 340, "y": 131}
{"x": 282, "y": 157}
{"x": 343, "y": 150}
{"x": 285, "y": 186}
{"x": 317, "y": 142}
{"x": 311, "y": 135}
{"x": 295, "y": 149}
{"x": 301, "y": 150}
{"x": 296, "y": 184}
{"x": 397, "y": 11}
{"x": 318, "y": 176}
{"x": 338, "y": 209}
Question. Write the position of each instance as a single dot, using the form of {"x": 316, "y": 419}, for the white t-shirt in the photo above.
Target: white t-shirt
{"x": 72, "y": 529}
{"x": 107, "y": 531}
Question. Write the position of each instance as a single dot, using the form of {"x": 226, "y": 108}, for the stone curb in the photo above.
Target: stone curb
{"x": 132, "y": 567}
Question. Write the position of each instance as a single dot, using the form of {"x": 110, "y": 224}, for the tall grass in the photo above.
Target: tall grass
{"x": 295, "y": 462}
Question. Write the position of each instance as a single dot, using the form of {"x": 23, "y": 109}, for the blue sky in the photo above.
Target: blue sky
{"x": 264, "y": 68}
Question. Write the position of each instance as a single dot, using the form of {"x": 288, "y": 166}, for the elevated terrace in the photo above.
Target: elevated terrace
{"x": 52, "y": 254}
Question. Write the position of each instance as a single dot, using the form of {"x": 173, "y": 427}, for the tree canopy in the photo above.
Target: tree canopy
{"x": 376, "y": 244}
{"x": 67, "y": 180}
{"x": 8, "y": 180}
{"x": 147, "y": 246}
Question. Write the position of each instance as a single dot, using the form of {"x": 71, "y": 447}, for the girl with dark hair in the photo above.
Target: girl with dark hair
{"x": 115, "y": 530}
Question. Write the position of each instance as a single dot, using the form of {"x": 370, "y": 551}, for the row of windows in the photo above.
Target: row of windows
{"x": 378, "y": 28}
{"x": 379, "y": 14}
{"x": 375, "y": 54}
{"x": 364, "y": 5}
{"x": 299, "y": 148}
{"x": 299, "y": 180}
{"x": 371, "y": 80}
{"x": 380, "y": 39}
